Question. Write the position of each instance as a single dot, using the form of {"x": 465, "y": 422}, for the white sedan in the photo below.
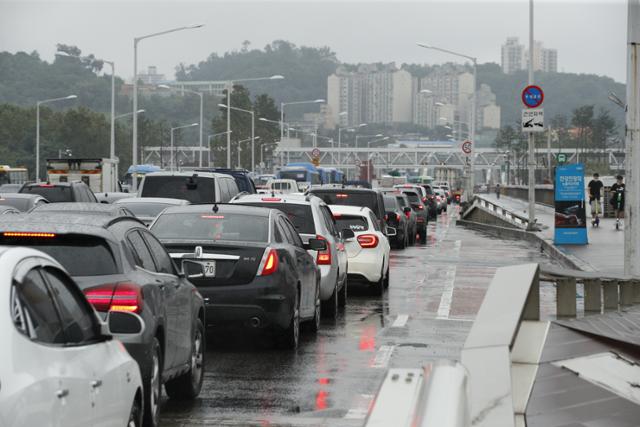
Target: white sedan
{"x": 59, "y": 365}
{"x": 368, "y": 251}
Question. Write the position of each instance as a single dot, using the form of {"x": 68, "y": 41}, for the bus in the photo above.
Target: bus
{"x": 9, "y": 175}
{"x": 305, "y": 174}
{"x": 331, "y": 175}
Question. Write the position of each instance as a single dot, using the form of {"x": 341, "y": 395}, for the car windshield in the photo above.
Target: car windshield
{"x": 353, "y": 222}
{"x": 300, "y": 215}
{"x": 359, "y": 198}
{"x": 80, "y": 255}
{"x": 53, "y": 193}
{"x": 212, "y": 226}
{"x": 146, "y": 209}
{"x": 195, "y": 189}
{"x": 390, "y": 203}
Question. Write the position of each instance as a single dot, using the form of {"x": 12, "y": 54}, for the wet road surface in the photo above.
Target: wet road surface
{"x": 435, "y": 291}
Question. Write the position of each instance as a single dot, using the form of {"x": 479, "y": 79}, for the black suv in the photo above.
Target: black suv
{"x": 349, "y": 196}
{"x": 121, "y": 266}
{"x": 75, "y": 191}
{"x": 243, "y": 181}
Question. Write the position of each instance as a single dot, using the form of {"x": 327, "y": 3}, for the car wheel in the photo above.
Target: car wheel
{"x": 378, "y": 287}
{"x": 291, "y": 336}
{"x": 402, "y": 242}
{"x": 187, "y": 386}
{"x": 386, "y": 279}
{"x": 153, "y": 387}
{"x": 135, "y": 416}
{"x": 330, "y": 306}
{"x": 342, "y": 298}
{"x": 423, "y": 235}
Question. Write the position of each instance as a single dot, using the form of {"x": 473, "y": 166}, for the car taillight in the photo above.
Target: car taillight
{"x": 420, "y": 207}
{"x": 398, "y": 217}
{"x": 269, "y": 263}
{"x": 424, "y": 200}
{"x": 407, "y": 214}
{"x": 324, "y": 257}
{"x": 123, "y": 296}
{"x": 368, "y": 240}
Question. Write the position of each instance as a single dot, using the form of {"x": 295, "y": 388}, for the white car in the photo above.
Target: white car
{"x": 441, "y": 199}
{"x": 368, "y": 251}
{"x": 59, "y": 365}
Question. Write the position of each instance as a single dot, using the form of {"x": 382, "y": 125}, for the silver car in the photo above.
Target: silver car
{"x": 313, "y": 219}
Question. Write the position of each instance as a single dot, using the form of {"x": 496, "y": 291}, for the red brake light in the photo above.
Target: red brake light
{"x": 324, "y": 257}
{"x": 424, "y": 200}
{"x": 407, "y": 214}
{"x": 269, "y": 263}
{"x": 271, "y": 199}
{"x": 398, "y": 217}
{"x": 212, "y": 216}
{"x": 122, "y": 296}
{"x": 420, "y": 207}
{"x": 368, "y": 240}
{"x": 27, "y": 234}
{"x": 337, "y": 215}
{"x": 46, "y": 185}
{"x": 342, "y": 196}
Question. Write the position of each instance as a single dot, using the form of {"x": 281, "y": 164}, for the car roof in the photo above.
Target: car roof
{"x": 78, "y": 207}
{"x": 54, "y": 184}
{"x": 342, "y": 189}
{"x": 349, "y": 210}
{"x": 142, "y": 200}
{"x": 72, "y": 223}
{"x": 186, "y": 174}
{"x": 292, "y": 198}
{"x": 20, "y": 196}
{"x": 222, "y": 208}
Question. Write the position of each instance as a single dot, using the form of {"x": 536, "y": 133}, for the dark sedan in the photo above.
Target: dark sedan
{"x": 395, "y": 217}
{"x": 250, "y": 265}
{"x": 121, "y": 266}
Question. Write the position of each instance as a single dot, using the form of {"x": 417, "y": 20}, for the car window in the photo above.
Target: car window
{"x": 224, "y": 190}
{"x": 163, "y": 261}
{"x": 195, "y": 189}
{"x": 278, "y": 233}
{"x": 140, "y": 251}
{"x": 300, "y": 215}
{"x": 295, "y": 237}
{"x": 355, "y": 223}
{"x": 374, "y": 221}
{"x": 34, "y": 311}
{"x": 78, "y": 320}
{"x": 50, "y": 192}
{"x": 234, "y": 188}
{"x": 288, "y": 237}
{"x": 91, "y": 198}
{"x": 212, "y": 226}
{"x": 328, "y": 220}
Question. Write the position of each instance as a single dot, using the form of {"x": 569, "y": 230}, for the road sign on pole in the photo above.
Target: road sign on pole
{"x": 562, "y": 158}
{"x": 466, "y": 147}
{"x": 315, "y": 152}
{"x": 533, "y": 120}
{"x": 358, "y": 162}
{"x": 532, "y": 96}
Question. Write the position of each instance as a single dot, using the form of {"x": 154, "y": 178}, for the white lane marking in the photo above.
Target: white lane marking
{"x": 400, "y": 321}
{"x": 449, "y": 279}
{"x": 383, "y": 356}
{"x": 361, "y": 408}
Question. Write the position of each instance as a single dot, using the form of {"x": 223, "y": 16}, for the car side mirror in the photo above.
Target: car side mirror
{"x": 390, "y": 231}
{"x": 406, "y": 209}
{"x": 316, "y": 245}
{"x": 192, "y": 269}
{"x": 123, "y": 323}
{"x": 390, "y": 214}
{"x": 347, "y": 234}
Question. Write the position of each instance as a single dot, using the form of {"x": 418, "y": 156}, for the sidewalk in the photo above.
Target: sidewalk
{"x": 605, "y": 251}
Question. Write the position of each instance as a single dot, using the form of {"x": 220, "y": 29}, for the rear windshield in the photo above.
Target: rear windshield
{"x": 428, "y": 189}
{"x": 80, "y": 255}
{"x": 194, "y": 189}
{"x": 244, "y": 184}
{"x": 352, "y": 222}
{"x": 390, "y": 203}
{"x": 212, "y": 226}
{"x": 361, "y": 199}
{"x": 401, "y": 201}
{"x": 22, "y": 205}
{"x": 414, "y": 199}
{"x": 280, "y": 185}
{"x": 145, "y": 209}
{"x": 300, "y": 215}
{"x": 53, "y": 194}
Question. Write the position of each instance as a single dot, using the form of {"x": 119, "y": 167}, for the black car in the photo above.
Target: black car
{"x": 22, "y": 202}
{"x": 243, "y": 180}
{"x": 431, "y": 201}
{"x": 395, "y": 217}
{"x": 250, "y": 265}
{"x": 366, "y": 197}
{"x": 422, "y": 214}
{"x": 121, "y": 266}
{"x": 75, "y": 191}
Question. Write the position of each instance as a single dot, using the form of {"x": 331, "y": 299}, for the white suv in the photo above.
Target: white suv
{"x": 195, "y": 187}
{"x": 313, "y": 219}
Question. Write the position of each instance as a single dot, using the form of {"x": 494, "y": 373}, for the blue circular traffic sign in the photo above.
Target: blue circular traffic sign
{"x": 532, "y": 96}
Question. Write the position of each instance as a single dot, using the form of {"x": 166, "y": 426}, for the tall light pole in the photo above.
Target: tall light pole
{"x": 379, "y": 135}
{"x": 136, "y": 40}
{"x": 284, "y": 104}
{"x": 173, "y": 157}
{"x": 531, "y": 157}
{"x": 201, "y": 95}
{"x": 240, "y": 149}
{"x": 632, "y": 139}
{"x": 213, "y": 135}
{"x": 38, "y": 104}
{"x": 471, "y": 178}
{"x": 369, "y": 155}
{"x": 253, "y": 132}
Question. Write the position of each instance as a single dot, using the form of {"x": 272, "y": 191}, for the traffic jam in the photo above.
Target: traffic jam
{"x": 113, "y": 296}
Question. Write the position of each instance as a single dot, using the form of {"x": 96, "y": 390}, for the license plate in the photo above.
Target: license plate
{"x": 209, "y": 268}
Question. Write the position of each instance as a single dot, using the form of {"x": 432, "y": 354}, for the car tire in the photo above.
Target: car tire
{"x": 153, "y": 387}
{"x": 402, "y": 242}
{"x": 342, "y": 297}
{"x": 330, "y": 306}
{"x": 291, "y": 336}
{"x": 135, "y": 416}
{"x": 386, "y": 279}
{"x": 188, "y": 385}
{"x": 378, "y": 287}
{"x": 423, "y": 235}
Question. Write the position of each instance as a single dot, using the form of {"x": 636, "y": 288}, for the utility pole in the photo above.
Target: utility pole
{"x": 549, "y": 176}
{"x": 632, "y": 139}
{"x": 531, "y": 157}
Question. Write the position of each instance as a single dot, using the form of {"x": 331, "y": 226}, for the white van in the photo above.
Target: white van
{"x": 282, "y": 186}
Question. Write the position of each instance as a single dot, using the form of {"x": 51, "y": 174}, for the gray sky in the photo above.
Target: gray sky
{"x": 590, "y": 36}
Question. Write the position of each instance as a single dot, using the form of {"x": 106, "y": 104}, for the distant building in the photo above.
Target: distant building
{"x": 151, "y": 77}
{"x": 512, "y": 56}
{"x": 515, "y": 57}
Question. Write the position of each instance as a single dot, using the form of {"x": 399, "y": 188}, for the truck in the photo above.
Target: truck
{"x": 99, "y": 174}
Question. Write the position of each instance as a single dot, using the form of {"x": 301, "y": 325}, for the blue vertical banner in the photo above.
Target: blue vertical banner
{"x": 570, "y": 215}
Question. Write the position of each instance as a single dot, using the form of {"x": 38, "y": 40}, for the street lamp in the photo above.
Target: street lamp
{"x": 470, "y": 181}
{"x": 213, "y": 135}
{"x": 367, "y": 136}
{"x": 119, "y": 116}
{"x": 201, "y": 95}
{"x": 240, "y": 149}
{"x": 136, "y": 40}
{"x": 38, "y": 104}
{"x": 283, "y": 104}
{"x": 253, "y": 132}
{"x": 369, "y": 155}
{"x": 172, "y": 148}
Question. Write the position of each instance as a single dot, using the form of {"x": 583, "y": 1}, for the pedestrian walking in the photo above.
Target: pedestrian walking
{"x": 498, "y": 191}
{"x": 617, "y": 199}
{"x": 595, "y": 196}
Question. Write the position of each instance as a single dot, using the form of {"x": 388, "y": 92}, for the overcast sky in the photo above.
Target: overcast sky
{"x": 590, "y": 36}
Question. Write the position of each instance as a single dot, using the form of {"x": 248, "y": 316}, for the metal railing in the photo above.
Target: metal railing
{"x": 518, "y": 220}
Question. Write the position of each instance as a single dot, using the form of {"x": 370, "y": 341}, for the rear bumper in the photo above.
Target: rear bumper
{"x": 265, "y": 302}
{"x": 367, "y": 266}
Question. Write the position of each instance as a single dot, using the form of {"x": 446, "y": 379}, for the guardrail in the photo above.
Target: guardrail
{"x": 519, "y": 221}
